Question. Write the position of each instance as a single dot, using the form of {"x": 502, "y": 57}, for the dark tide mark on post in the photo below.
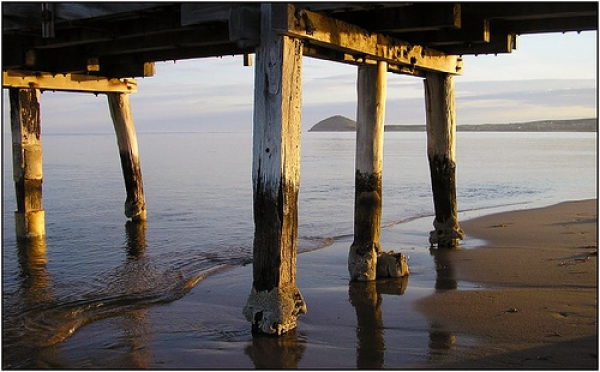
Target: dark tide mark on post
{"x": 267, "y": 235}
{"x": 134, "y": 187}
{"x": 443, "y": 184}
{"x": 367, "y": 211}
{"x": 29, "y": 195}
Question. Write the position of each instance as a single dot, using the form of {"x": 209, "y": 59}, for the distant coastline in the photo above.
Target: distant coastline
{"x": 340, "y": 123}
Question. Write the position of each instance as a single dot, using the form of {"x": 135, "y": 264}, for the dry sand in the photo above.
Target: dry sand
{"x": 539, "y": 308}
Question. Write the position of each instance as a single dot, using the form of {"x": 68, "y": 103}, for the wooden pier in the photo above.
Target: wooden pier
{"x": 102, "y": 47}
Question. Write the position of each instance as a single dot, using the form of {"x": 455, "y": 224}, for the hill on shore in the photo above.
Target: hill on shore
{"x": 337, "y": 123}
{"x": 340, "y": 123}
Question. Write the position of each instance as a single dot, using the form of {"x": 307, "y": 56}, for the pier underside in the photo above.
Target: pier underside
{"x": 125, "y": 39}
{"x": 103, "y": 47}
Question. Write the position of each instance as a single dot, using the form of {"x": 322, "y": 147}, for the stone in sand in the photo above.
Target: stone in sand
{"x": 391, "y": 264}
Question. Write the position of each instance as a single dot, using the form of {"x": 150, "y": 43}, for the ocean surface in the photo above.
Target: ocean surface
{"x": 94, "y": 266}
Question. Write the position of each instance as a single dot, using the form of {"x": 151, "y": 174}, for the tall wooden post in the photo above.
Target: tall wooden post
{"x": 441, "y": 143}
{"x": 120, "y": 111}
{"x": 371, "y": 87}
{"x": 27, "y": 162}
{"x": 275, "y": 301}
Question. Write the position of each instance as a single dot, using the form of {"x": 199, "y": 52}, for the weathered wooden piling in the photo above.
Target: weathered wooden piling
{"x": 275, "y": 301}
{"x": 27, "y": 162}
{"x": 371, "y": 88}
{"x": 120, "y": 111}
{"x": 441, "y": 143}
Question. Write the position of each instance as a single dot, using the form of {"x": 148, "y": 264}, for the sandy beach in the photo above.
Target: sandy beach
{"x": 527, "y": 298}
{"x": 538, "y": 304}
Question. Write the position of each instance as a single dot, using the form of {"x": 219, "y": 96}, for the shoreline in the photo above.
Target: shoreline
{"x": 538, "y": 304}
{"x": 396, "y": 323}
{"x": 339, "y": 123}
{"x": 380, "y": 324}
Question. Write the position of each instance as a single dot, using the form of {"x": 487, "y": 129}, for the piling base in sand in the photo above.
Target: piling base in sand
{"x": 275, "y": 311}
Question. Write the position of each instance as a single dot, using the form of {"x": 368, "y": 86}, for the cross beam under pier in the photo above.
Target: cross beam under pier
{"x": 67, "y": 82}
{"x": 351, "y": 44}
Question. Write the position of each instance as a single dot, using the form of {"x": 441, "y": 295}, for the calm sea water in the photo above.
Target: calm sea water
{"x": 94, "y": 266}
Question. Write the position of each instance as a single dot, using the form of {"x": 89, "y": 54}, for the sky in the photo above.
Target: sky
{"x": 549, "y": 77}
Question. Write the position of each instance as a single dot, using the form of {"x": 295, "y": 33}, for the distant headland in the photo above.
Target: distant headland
{"x": 340, "y": 123}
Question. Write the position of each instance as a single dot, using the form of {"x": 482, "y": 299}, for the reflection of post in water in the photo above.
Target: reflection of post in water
{"x": 445, "y": 277}
{"x": 439, "y": 339}
{"x": 20, "y": 333}
{"x": 275, "y": 352}
{"x": 35, "y": 279}
{"x": 136, "y": 328}
{"x": 369, "y": 331}
{"x": 135, "y": 324}
{"x": 392, "y": 286}
{"x": 366, "y": 299}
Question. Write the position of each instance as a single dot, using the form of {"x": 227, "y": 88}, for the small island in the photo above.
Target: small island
{"x": 337, "y": 123}
{"x": 340, "y": 123}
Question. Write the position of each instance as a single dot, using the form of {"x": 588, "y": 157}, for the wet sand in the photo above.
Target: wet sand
{"x": 538, "y": 304}
{"x": 526, "y": 299}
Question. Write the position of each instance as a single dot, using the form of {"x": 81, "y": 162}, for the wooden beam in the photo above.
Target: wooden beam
{"x": 332, "y": 33}
{"x": 47, "y": 20}
{"x": 414, "y": 18}
{"x": 126, "y": 57}
{"x": 247, "y": 60}
{"x": 499, "y": 43}
{"x": 336, "y": 56}
{"x": 532, "y": 10}
{"x": 180, "y": 38}
{"x": 244, "y": 26}
{"x": 198, "y": 13}
{"x": 113, "y": 65}
{"x": 243, "y": 20}
{"x": 532, "y": 26}
{"x": 125, "y": 69}
{"x": 275, "y": 301}
{"x": 471, "y": 32}
{"x": 73, "y": 58}
{"x": 94, "y": 31}
{"x": 29, "y": 15}
{"x": 361, "y": 60}
{"x": 72, "y": 37}
{"x": 229, "y": 49}
{"x": 67, "y": 82}
{"x": 341, "y": 7}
